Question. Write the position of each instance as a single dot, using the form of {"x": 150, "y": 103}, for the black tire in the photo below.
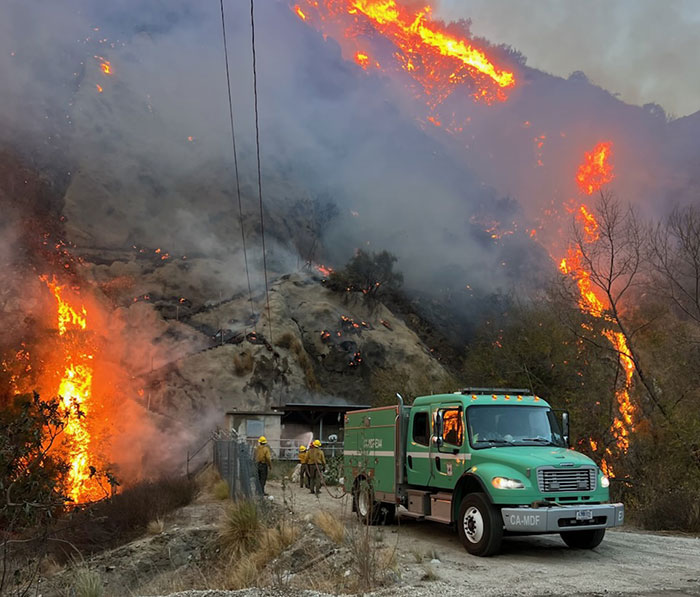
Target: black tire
{"x": 479, "y": 525}
{"x": 367, "y": 508}
{"x": 583, "y": 539}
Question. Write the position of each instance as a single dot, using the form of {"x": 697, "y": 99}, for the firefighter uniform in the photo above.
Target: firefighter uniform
{"x": 263, "y": 461}
{"x": 316, "y": 462}
{"x": 303, "y": 467}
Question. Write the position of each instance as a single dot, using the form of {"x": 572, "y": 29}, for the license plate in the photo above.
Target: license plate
{"x": 584, "y": 514}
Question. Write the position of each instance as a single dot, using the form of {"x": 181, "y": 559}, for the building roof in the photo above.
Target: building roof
{"x": 300, "y": 406}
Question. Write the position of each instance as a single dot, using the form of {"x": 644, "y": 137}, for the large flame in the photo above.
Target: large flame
{"x": 75, "y": 392}
{"x": 596, "y": 171}
{"x": 438, "y": 59}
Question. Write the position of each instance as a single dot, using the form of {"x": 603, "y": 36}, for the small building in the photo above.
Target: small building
{"x": 293, "y": 424}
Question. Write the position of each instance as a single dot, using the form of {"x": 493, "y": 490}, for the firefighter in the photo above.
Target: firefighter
{"x": 303, "y": 467}
{"x": 316, "y": 462}
{"x": 263, "y": 461}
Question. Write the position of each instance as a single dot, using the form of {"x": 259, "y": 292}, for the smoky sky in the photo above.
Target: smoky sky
{"x": 150, "y": 156}
{"x": 645, "y": 50}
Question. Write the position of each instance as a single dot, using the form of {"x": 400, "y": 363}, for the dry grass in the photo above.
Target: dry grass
{"x": 87, "y": 583}
{"x": 243, "y": 574}
{"x": 429, "y": 572}
{"x": 220, "y": 490}
{"x": 155, "y": 527}
{"x": 243, "y": 363}
{"x": 248, "y": 570}
{"x": 240, "y": 528}
{"x": 286, "y": 340}
{"x": 207, "y": 478}
{"x": 331, "y": 526}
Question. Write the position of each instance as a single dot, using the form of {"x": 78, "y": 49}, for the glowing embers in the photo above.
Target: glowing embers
{"x": 74, "y": 367}
{"x": 440, "y": 60}
{"x": 596, "y": 170}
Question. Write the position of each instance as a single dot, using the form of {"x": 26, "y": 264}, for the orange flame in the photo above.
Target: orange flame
{"x": 596, "y": 170}
{"x": 437, "y": 59}
{"x": 592, "y": 174}
{"x": 75, "y": 393}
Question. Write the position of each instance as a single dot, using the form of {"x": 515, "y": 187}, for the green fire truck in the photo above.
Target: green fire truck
{"x": 489, "y": 461}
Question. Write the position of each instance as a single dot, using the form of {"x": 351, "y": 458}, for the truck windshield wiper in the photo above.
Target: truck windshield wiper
{"x": 538, "y": 440}
{"x": 493, "y": 441}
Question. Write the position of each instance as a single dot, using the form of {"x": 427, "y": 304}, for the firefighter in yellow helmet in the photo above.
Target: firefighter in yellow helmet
{"x": 303, "y": 467}
{"x": 316, "y": 461}
{"x": 263, "y": 461}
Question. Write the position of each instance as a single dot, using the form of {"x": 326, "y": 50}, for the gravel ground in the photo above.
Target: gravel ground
{"x": 628, "y": 562}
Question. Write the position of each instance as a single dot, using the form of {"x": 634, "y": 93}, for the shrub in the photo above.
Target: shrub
{"x": 243, "y": 363}
{"x": 240, "y": 528}
{"x": 155, "y": 527}
{"x": 87, "y": 583}
{"x": 286, "y": 340}
{"x": 125, "y": 516}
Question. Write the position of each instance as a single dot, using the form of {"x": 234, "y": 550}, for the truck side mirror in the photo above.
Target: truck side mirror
{"x": 565, "y": 426}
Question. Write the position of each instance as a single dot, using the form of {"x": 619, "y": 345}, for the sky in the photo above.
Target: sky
{"x": 645, "y": 50}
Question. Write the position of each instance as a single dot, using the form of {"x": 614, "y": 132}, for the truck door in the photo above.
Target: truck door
{"x": 447, "y": 457}
{"x": 418, "y": 446}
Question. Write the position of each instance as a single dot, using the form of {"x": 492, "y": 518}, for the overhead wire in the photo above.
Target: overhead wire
{"x": 235, "y": 163}
{"x": 257, "y": 148}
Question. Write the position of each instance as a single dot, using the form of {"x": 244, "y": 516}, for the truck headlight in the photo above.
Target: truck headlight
{"x": 604, "y": 481}
{"x": 503, "y": 483}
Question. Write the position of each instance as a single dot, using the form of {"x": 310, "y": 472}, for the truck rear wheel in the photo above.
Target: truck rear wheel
{"x": 583, "y": 539}
{"x": 479, "y": 525}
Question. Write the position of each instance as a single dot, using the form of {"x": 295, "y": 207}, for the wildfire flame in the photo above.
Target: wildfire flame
{"x": 596, "y": 170}
{"x": 440, "y": 61}
{"x": 75, "y": 393}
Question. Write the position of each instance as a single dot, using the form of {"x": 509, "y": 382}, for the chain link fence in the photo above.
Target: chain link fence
{"x": 233, "y": 458}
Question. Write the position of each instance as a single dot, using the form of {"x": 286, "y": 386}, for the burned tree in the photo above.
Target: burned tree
{"x": 674, "y": 250}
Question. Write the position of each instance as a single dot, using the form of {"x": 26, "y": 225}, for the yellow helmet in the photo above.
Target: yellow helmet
{"x": 302, "y": 448}
{"x": 317, "y": 443}
{"x": 262, "y": 440}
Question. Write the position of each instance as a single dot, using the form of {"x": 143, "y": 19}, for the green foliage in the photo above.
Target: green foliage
{"x": 372, "y": 274}
{"x": 334, "y": 469}
{"x": 33, "y": 476}
{"x": 220, "y": 490}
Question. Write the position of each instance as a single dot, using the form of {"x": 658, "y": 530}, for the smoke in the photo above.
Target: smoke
{"x": 642, "y": 49}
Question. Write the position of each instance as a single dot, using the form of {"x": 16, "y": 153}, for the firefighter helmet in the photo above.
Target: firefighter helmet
{"x": 317, "y": 443}
{"x": 262, "y": 440}
{"x": 302, "y": 448}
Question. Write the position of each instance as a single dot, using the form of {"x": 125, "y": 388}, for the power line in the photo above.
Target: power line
{"x": 257, "y": 147}
{"x": 235, "y": 163}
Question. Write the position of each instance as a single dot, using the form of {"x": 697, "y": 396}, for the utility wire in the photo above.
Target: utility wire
{"x": 235, "y": 163}
{"x": 257, "y": 147}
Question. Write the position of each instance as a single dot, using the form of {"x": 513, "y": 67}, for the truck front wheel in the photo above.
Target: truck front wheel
{"x": 479, "y": 525}
{"x": 583, "y": 539}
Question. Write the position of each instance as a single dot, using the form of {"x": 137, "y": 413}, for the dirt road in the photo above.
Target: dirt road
{"x": 627, "y": 562}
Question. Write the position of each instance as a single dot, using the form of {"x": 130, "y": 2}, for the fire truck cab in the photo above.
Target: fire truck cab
{"x": 490, "y": 461}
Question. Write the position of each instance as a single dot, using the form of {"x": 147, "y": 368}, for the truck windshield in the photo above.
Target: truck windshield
{"x": 495, "y": 426}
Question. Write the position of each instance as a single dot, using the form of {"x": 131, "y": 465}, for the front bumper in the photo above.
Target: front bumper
{"x": 556, "y": 519}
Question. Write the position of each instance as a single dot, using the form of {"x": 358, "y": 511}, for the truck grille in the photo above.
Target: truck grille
{"x": 556, "y": 479}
